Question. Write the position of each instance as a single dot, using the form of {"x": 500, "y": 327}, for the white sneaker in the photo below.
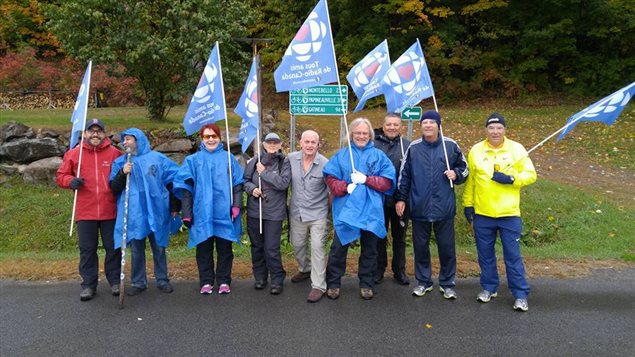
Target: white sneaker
{"x": 485, "y": 296}
{"x": 448, "y": 293}
{"x": 521, "y": 305}
{"x": 421, "y": 290}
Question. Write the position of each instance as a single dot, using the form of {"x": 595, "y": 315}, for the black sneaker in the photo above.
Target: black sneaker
{"x": 378, "y": 277}
{"x": 276, "y": 289}
{"x": 166, "y": 288}
{"x": 115, "y": 290}
{"x": 133, "y": 291}
{"x": 87, "y": 294}
{"x": 402, "y": 278}
{"x": 260, "y": 284}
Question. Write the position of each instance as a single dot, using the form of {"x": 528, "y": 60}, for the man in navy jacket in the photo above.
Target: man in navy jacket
{"x": 425, "y": 186}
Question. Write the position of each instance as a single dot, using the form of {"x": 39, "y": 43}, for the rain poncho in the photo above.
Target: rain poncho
{"x": 211, "y": 194}
{"x": 364, "y": 207}
{"x": 149, "y": 197}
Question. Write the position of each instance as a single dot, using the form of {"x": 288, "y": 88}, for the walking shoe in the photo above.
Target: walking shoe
{"x": 315, "y": 295}
{"x": 448, "y": 293}
{"x": 421, "y": 290}
{"x": 402, "y": 278}
{"x": 115, "y": 290}
{"x": 366, "y": 293}
{"x": 378, "y": 277}
{"x": 521, "y": 305}
{"x": 134, "y": 290}
{"x": 300, "y": 277}
{"x": 486, "y": 296}
{"x": 224, "y": 289}
{"x": 206, "y": 289}
{"x": 166, "y": 288}
{"x": 260, "y": 284}
{"x": 87, "y": 294}
{"x": 333, "y": 293}
{"x": 276, "y": 289}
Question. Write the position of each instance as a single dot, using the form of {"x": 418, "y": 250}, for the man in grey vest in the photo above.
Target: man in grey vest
{"x": 308, "y": 213}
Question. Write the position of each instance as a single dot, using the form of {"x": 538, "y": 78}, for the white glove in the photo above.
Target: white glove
{"x": 358, "y": 178}
{"x": 350, "y": 188}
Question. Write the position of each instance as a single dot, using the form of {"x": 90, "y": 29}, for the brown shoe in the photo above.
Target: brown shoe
{"x": 315, "y": 295}
{"x": 300, "y": 276}
{"x": 366, "y": 293}
{"x": 333, "y": 293}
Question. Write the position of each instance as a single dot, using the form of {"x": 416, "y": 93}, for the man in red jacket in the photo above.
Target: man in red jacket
{"x": 96, "y": 206}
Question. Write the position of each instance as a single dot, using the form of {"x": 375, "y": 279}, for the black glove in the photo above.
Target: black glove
{"x": 469, "y": 214}
{"x": 76, "y": 183}
{"x": 502, "y": 178}
{"x": 188, "y": 221}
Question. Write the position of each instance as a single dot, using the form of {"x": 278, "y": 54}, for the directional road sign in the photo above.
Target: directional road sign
{"x": 412, "y": 113}
{"x": 319, "y": 100}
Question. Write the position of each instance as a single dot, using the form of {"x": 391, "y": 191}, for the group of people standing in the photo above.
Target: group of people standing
{"x": 380, "y": 182}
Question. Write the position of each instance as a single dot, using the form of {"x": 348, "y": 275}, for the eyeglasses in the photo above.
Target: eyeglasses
{"x": 93, "y": 132}
{"x": 213, "y": 136}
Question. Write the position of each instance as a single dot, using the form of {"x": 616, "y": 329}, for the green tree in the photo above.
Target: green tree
{"x": 164, "y": 44}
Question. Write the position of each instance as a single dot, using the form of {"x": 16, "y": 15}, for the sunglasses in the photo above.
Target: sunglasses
{"x": 213, "y": 136}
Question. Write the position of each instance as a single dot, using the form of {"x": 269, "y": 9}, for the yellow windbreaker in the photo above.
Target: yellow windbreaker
{"x": 488, "y": 197}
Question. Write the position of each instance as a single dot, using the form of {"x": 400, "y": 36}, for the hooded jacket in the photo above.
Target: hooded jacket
{"x": 205, "y": 175}
{"x": 363, "y": 208}
{"x": 95, "y": 200}
{"x": 149, "y": 197}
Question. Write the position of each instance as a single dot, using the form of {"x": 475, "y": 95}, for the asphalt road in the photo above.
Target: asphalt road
{"x": 591, "y": 316}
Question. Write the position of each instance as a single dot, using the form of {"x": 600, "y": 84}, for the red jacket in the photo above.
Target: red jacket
{"x": 95, "y": 200}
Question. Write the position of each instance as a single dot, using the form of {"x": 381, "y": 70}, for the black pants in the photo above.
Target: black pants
{"x": 398, "y": 236}
{"x": 444, "y": 233}
{"x": 265, "y": 250}
{"x": 88, "y": 233}
{"x": 336, "y": 266}
{"x": 205, "y": 261}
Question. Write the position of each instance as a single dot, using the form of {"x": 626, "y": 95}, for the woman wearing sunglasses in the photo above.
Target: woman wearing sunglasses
{"x": 210, "y": 210}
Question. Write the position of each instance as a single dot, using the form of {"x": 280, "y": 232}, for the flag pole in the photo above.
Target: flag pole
{"x": 348, "y": 136}
{"x": 258, "y": 82}
{"x": 81, "y": 146}
{"x": 229, "y": 161}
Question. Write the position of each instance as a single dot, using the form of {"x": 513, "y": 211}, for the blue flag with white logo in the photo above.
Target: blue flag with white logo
{"x": 310, "y": 58}
{"x": 407, "y": 81}
{"x": 366, "y": 76}
{"x": 208, "y": 102}
{"x": 81, "y": 107}
{"x": 247, "y": 108}
{"x": 605, "y": 110}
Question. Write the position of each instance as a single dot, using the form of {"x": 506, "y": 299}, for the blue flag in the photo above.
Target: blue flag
{"x": 81, "y": 107}
{"x": 366, "y": 76}
{"x": 208, "y": 102}
{"x": 605, "y": 110}
{"x": 248, "y": 109}
{"x": 407, "y": 82}
{"x": 310, "y": 58}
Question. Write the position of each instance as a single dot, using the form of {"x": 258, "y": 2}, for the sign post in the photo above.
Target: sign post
{"x": 411, "y": 114}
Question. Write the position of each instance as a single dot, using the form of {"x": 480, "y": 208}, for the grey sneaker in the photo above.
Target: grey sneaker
{"x": 366, "y": 293}
{"x": 521, "y": 305}
{"x": 486, "y": 296}
{"x": 448, "y": 293}
{"x": 421, "y": 290}
{"x": 87, "y": 294}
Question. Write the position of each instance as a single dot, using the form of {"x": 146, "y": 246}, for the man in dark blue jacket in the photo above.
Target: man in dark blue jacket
{"x": 426, "y": 187}
{"x": 389, "y": 140}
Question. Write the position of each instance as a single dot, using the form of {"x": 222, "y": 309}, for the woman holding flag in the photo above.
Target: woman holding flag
{"x": 202, "y": 183}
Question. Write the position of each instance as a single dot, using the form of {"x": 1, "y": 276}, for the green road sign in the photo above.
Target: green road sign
{"x": 319, "y": 100}
{"x": 412, "y": 113}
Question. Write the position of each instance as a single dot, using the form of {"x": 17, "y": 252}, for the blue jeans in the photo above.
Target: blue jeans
{"x": 138, "y": 268}
{"x": 510, "y": 229}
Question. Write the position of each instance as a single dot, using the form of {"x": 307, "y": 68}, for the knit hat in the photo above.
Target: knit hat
{"x": 431, "y": 114}
{"x": 495, "y": 118}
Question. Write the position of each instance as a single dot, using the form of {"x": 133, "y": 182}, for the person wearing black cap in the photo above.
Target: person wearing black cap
{"x": 499, "y": 167}
{"x": 96, "y": 206}
{"x": 424, "y": 186}
{"x": 274, "y": 171}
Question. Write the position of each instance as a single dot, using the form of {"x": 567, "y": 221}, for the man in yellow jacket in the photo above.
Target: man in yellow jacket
{"x": 498, "y": 167}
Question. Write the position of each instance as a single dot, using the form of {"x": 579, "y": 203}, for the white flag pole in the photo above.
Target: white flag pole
{"x": 229, "y": 161}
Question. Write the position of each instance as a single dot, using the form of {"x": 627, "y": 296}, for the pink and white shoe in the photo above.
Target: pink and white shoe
{"x": 224, "y": 289}
{"x": 206, "y": 289}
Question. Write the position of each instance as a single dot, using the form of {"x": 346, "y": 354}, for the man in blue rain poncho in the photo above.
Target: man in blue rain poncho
{"x": 204, "y": 187}
{"x": 149, "y": 205}
{"x": 357, "y": 206}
